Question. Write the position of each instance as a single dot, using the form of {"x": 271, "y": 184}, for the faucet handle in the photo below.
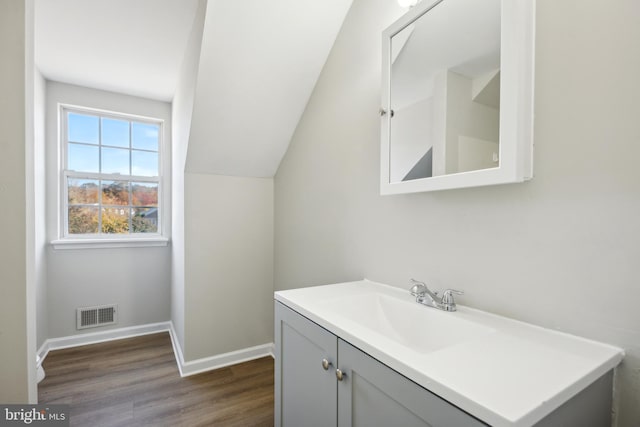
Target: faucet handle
{"x": 419, "y": 288}
{"x": 447, "y": 297}
{"x": 417, "y": 285}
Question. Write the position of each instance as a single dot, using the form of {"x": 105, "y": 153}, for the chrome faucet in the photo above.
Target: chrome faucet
{"x": 426, "y": 297}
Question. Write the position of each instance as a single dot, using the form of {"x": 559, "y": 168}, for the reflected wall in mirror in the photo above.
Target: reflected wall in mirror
{"x": 445, "y": 91}
{"x": 456, "y": 97}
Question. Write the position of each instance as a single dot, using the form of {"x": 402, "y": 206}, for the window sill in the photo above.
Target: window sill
{"x": 140, "y": 242}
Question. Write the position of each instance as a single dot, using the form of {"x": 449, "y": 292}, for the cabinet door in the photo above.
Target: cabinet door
{"x": 305, "y": 392}
{"x": 372, "y": 394}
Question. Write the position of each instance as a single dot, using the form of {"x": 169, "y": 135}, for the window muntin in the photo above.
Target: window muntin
{"x": 112, "y": 174}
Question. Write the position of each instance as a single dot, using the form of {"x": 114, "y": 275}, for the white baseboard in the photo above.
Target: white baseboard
{"x": 101, "y": 336}
{"x": 205, "y": 364}
{"x": 177, "y": 349}
{"x": 191, "y": 367}
{"x": 198, "y": 366}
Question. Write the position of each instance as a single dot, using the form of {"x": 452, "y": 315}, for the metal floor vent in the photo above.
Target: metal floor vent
{"x": 92, "y": 317}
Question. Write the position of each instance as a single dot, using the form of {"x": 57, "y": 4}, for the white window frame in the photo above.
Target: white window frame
{"x": 99, "y": 240}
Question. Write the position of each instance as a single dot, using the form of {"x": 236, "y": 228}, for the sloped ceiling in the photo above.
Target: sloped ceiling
{"x": 127, "y": 46}
{"x": 259, "y": 63}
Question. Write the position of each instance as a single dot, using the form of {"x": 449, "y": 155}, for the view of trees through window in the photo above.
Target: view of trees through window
{"x": 112, "y": 175}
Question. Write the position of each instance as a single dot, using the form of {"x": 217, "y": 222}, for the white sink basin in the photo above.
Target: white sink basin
{"x": 505, "y": 372}
{"x": 417, "y": 327}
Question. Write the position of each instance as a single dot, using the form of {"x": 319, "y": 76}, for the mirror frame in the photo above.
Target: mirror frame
{"x": 517, "y": 51}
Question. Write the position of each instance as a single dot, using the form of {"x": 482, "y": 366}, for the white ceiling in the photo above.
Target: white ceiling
{"x": 127, "y": 46}
{"x": 259, "y": 63}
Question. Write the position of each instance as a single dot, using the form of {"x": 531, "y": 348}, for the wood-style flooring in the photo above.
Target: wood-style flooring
{"x": 135, "y": 382}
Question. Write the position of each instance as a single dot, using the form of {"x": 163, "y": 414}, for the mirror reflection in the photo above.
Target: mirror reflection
{"x": 445, "y": 91}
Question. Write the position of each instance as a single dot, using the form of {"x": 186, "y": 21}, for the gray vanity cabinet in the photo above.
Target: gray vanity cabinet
{"x": 369, "y": 394}
{"x": 305, "y": 392}
{"x": 372, "y": 394}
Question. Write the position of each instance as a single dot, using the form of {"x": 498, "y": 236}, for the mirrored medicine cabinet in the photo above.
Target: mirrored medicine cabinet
{"x": 457, "y": 95}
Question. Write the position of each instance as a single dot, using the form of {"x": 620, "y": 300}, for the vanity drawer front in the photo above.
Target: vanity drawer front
{"x": 372, "y": 394}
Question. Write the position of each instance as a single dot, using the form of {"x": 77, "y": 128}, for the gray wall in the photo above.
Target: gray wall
{"x": 228, "y": 264}
{"x": 560, "y": 251}
{"x": 137, "y": 279}
{"x": 16, "y": 332}
{"x": 181, "y": 111}
{"x": 40, "y": 238}
{"x": 222, "y": 275}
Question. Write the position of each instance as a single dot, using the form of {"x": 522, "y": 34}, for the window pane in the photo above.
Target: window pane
{"x": 115, "y": 193}
{"x": 82, "y": 158}
{"x": 145, "y": 220}
{"x": 144, "y": 163}
{"x": 83, "y": 220}
{"x": 115, "y": 160}
{"x": 144, "y": 194}
{"x": 82, "y": 128}
{"x": 105, "y": 151}
{"x": 115, "y": 132}
{"x": 145, "y": 136}
{"x": 82, "y": 191}
{"x": 115, "y": 220}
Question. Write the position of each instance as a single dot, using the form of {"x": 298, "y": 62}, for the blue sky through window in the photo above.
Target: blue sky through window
{"x": 82, "y": 128}
{"x": 144, "y": 163}
{"x": 115, "y": 160}
{"x": 83, "y": 158}
{"x": 115, "y": 133}
{"x": 121, "y": 146}
{"x": 145, "y": 136}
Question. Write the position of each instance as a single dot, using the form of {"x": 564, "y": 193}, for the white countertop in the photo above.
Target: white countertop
{"x": 505, "y": 372}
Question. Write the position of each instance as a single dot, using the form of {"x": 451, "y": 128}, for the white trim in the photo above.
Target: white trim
{"x": 113, "y": 114}
{"x": 205, "y": 364}
{"x": 186, "y": 369}
{"x": 101, "y": 243}
{"x": 218, "y": 361}
{"x": 177, "y": 350}
{"x": 42, "y": 353}
{"x": 102, "y": 336}
{"x": 272, "y": 350}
